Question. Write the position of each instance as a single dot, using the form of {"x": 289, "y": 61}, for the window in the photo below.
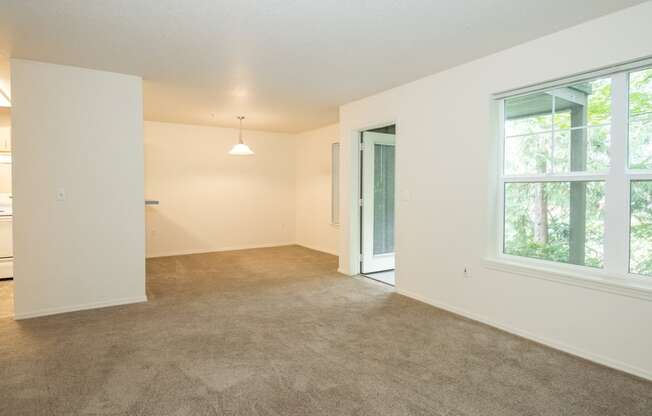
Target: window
{"x": 335, "y": 183}
{"x": 640, "y": 160}
{"x": 641, "y": 228}
{"x": 640, "y": 120}
{"x": 576, "y": 161}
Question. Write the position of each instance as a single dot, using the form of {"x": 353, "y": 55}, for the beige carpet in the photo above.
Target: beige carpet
{"x": 278, "y": 332}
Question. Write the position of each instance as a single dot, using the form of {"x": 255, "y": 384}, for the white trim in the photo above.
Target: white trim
{"x": 632, "y": 65}
{"x": 633, "y": 286}
{"x": 616, "y": 211}
{"x": 350, "y": 184}
{"x": 634, "y": 176}
{"x": 553, "y": 130}
{"x": 82, "y": 307}
{"x": 216, "y": 250}
{"x": 596, "y": 358}
{"x": 556, "y": 177}
{"x": 500, "y": 201}
{"x": 372, "y": 262}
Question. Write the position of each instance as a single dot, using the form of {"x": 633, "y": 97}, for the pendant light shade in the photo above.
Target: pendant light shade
{"x": 241, "y": 149}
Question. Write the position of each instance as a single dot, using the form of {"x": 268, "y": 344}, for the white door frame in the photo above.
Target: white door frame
{"x": 350, "y": 179}
{"x": 370, "y": 262}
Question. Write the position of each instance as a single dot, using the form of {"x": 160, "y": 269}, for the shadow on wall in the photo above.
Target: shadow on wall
{"x": 155, "y": 220}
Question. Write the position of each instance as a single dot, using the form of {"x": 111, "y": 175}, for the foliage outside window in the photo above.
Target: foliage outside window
{"x": 558, "y": 171}
{"x": 640, "y": 159}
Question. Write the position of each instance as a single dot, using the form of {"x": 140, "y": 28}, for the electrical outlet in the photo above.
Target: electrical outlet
{"x": 61, "y": 194}
{"x": 467, "y": 271}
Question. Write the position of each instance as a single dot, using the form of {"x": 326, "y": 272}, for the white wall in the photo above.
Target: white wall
{"x": 212, "y": 201}
{"x": 445, "y": 148}
{"x": 5, "y": 137}
{"x": 313, "y": 182}
{"x": 78, "y": 130}
{"x": 5, "y": 77}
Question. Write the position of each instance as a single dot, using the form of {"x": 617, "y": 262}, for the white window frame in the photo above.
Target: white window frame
{"x": 615, "y": 275}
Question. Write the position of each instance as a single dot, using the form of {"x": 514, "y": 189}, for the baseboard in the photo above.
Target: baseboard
{"x": 596, "y": 358}
{"x": 86, "y": 306}
{"x": 320, "y": 249}
{"x": 217, "y": 250}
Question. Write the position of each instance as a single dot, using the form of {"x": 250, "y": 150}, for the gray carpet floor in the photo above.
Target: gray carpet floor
{"x": 278, "y": 332}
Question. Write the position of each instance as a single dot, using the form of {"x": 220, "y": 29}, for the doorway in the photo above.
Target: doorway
{"x": 377, "y": 200}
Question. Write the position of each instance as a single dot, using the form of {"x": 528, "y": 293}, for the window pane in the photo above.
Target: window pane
{"x": 562, "y": 120}
{"x": 557, "y": 221}
{"x": 599, "y": 101}
{"x": 640, "y": 92}
{"x": 528, "y": 114}
{"x": 562, "y": 151}
{"x": 640, "y": 142}
{"x": 598, "y": 149}
{"x": 528, "y": 154}
{"x": 561, "y": 130}
{"x": 584, "y": 104}
{"x": 582, "y": 150}
{"x": 641, "y": 228}
{"x": 640, "y": 119}
{"x": 383, "y": 198}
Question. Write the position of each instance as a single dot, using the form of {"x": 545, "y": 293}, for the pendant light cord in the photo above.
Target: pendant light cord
{"x": 240, "y": 131}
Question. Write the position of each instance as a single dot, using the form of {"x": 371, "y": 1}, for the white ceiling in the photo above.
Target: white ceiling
{"x": 285, "y": 64}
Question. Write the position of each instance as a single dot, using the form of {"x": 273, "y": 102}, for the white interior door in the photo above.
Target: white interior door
{"x": 378, "y": 202}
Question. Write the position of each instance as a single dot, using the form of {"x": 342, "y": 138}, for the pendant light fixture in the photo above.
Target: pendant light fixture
{"x": 241, "y": 149}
